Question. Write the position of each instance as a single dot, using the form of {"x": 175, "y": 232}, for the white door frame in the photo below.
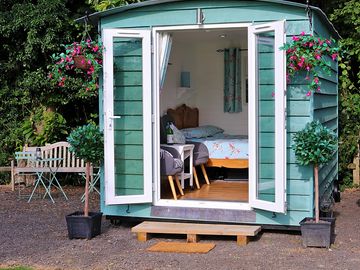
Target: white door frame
{"x": 156, "y": 112}
{"x": 280, "y": 117}
{"x": 108, "y": 74}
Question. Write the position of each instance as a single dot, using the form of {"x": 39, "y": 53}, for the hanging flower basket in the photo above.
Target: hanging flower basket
{"x": 80, "y": 61}
{"x": 308, "y": 53}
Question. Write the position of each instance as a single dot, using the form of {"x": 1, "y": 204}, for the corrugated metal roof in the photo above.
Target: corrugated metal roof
{"x": 97, "y": 15}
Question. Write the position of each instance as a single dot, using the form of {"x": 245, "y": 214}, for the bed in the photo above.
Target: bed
{"x": 229, "y": 151}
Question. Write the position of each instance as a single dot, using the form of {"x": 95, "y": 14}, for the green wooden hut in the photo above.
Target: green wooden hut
{"x": 162, "y": 54}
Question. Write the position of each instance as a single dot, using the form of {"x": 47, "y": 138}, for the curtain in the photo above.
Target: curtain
{"x": 232, "y": 80}
{"x": 165, "y": 48}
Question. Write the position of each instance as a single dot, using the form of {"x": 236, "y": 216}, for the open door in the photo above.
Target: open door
{"x": 267, "y": 117}
{"x": 127, "y": 116}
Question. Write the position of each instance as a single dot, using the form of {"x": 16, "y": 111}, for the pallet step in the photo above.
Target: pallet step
{"x": 193, "y": 230}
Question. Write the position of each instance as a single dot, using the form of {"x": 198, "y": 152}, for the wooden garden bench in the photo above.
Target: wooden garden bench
{"x": 69, "y": 163}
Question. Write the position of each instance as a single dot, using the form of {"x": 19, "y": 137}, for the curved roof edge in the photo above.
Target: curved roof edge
{"x": 97, "y": 15}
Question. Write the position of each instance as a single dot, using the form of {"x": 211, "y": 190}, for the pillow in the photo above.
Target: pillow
{"x": 201, "y": 132}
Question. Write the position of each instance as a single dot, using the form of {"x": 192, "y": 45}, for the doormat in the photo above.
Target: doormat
{"x": 180, "y": 247}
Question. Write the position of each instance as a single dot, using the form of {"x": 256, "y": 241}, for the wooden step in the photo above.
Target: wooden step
{"x": 193, "y": 230}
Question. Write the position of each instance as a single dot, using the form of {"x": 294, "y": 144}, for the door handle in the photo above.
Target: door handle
{"x": 114, "y": 117}
{"x": 110, "y": 123}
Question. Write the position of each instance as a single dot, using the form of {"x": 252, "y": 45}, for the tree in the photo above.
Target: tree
{"x": 314, "y": 145}
{"x": 101, "y": 5}
{"x": 30, "y": 32}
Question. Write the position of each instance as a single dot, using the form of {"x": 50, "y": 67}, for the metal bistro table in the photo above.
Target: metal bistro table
{"x": 46, "y": 169}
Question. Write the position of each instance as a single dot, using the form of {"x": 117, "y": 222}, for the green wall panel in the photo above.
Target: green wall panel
{"x": 300, "y": 187}
{"x": 128, "y": 191}
{"x": 129, "y": 152}
{"x": 128, "y": 63}
{"x": 128, "y": 108}
{"x": 325, "y": 115}
{"x": 266, "y": 76}
{"x": 267, "y": 124}
{"x": 267, "y": 108}
{"x": 249, "y": 14}
{"x": 130, "y": 181}
{"x": 291, "y": 218}
{"x": 129, "y": 137}
{"x": 215, "y": 12}
{"x": 128, "y": 93}
{"x": 324, "y": 101}
{"x": 296, "y": 171}
{"x": 127, "y": 47}
{"x": 267, "y": 60}
{"x": 129, "y": 123}
{"x": 267, "y": 155}
{"x": 298, "y": 108}
{"x": 129, "y": 166}
{"x": 128, "y": 78}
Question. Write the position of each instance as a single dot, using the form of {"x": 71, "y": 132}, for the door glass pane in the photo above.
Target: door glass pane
{"x": 128, "y": 130}
{"x": 265, "y": 87}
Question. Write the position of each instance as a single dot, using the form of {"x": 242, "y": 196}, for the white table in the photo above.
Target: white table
{"x": 186, "y": 152}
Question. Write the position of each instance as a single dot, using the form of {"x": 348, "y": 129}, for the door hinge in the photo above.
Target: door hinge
{"x": 153, "y": 118}
{"x": 152, "y": 48}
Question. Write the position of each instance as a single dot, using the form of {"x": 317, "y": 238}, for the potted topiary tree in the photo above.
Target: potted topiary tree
{"x": 315, "y": 145}
{"x": 86, "y": 142}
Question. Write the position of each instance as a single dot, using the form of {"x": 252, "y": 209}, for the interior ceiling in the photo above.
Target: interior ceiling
{"x": 209, "y": 35}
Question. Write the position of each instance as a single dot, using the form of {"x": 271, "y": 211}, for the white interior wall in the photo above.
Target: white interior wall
{"x": 198, "y": 55}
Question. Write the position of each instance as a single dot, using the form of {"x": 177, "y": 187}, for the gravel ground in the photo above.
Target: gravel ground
{"x": 34, "y": 234}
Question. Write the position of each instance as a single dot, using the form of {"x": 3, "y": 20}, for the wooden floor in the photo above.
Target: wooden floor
{"x": 219, "y": 190}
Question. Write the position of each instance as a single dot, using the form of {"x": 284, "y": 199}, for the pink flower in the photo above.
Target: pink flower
{"x": 334, "y": 56}
{"x": 273, "y": 94}
{"x": 90, "y": 70}
{"x": 96, "y": 48}
{"x": 311, "y": 44}
{"x": 308, "y": 93}
{"x": 328, "y": 41}
{"x": 307, "y": 78}
{"x": 318, "y": 89}
{"x": 318, "y": 57}
{"x": 302, "y": 33}
{"x": 50, "y": 76}
{"x": 295, "y": 38}
{"x": 316, "y": 80}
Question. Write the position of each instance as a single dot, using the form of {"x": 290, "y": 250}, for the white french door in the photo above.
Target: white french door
{"x": 127, "y": 116}
{"x": 267, "y": 117}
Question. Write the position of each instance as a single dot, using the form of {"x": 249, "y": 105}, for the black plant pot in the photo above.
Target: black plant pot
{"x": 80, "y": 226}
{"x": 320, "y": 234}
